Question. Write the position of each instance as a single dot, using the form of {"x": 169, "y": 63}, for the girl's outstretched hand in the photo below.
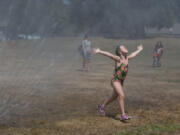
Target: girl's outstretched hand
{"x": 96, "y": 50}
{"x": 140, "y": 47}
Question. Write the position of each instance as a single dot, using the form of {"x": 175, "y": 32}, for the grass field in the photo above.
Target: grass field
{"x": 44, "y": 92}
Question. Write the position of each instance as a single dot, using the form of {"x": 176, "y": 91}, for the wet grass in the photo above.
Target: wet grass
{"x": 154, "y": 129}
{"x": 44, "y": 92}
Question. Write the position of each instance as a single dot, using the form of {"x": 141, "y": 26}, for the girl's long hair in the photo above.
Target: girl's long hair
{"x": 85, "y": 36}
{"x": 117, "y": 50}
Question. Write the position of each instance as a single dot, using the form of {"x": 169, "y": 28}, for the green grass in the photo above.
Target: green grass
{"x": 174, "y": 81}
{"x": 153, "y": 129}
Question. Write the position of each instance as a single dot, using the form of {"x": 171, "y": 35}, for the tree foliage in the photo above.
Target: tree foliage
{"x": 124, "y": 17}
{"x": 99, "y": 17}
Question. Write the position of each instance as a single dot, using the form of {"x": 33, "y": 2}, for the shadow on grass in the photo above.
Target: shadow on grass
{"x": 113, "y": 116}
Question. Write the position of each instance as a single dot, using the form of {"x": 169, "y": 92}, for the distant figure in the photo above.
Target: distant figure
{"x": 12, "y": 44}
{"x": 121, "y": 68}
{"x": 157, "y": 54}
{"x": 85, "y": 51}
{"x": 160, "y": 53}
{"x": 170, "y": 30}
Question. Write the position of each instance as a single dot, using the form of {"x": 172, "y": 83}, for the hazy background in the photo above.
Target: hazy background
{"x": 110, "y": 18}
{"x": 43, "y": 90}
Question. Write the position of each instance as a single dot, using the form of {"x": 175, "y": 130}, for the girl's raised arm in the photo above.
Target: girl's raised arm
{"x": 110, "y": 55}
{"x": 139, "y": 49}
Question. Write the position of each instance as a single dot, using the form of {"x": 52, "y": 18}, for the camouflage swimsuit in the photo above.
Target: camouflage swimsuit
{"x": 120, "y": 73}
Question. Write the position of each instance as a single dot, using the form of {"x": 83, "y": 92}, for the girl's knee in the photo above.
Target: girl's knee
{"x": 122, "y": 96}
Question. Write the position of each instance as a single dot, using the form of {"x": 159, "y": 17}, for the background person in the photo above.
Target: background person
{"x": 86, "y": 53}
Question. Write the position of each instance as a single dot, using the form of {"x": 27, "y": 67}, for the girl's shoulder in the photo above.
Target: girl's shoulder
{"x": 118, "y": 63}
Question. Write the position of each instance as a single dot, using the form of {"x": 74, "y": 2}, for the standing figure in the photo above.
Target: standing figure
{"x": 121, "y": 68}
{"x": 85, "y": 50}
{"x": 160, "y": 53}
{"x": 157, "y": 54}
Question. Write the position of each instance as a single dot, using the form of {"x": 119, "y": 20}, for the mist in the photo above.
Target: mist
{"x": 116, "y": 18}
{"x": 42, "y": 85}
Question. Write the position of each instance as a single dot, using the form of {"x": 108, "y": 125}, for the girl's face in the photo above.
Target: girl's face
{"x": 123, "y": 51}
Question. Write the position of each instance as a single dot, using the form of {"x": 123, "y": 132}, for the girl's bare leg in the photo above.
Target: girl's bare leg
{"x": 153, "y": 62}
{"x": 159, "y": 61}
{"x": 84, "y": 63}
{"x": 111, "y": 99}
{"x": 88, "y": 65}
{"x": 118, "y": 88}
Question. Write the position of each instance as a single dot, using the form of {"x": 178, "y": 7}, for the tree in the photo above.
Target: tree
{"x": 116, "y": 18}
{"x": 119, "y": 17}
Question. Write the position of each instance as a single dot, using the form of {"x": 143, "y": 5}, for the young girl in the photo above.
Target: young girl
{"x": 121, "y": 68}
